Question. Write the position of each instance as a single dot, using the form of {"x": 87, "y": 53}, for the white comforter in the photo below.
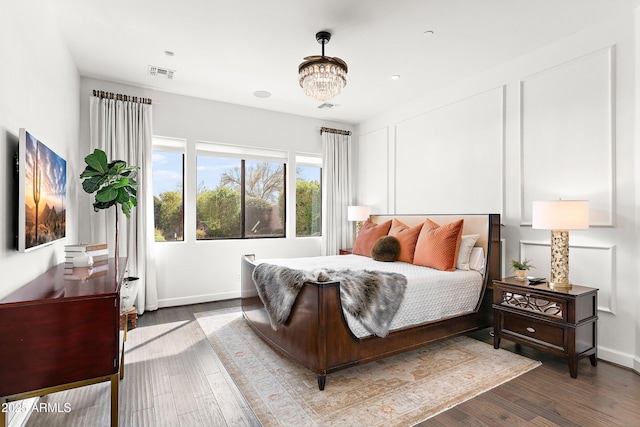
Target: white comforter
{"x": 431, "y": 294}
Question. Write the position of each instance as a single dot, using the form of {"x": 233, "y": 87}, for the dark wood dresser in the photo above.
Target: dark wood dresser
{"x": 58, "y": 334}
{"x": 560, "y": 321}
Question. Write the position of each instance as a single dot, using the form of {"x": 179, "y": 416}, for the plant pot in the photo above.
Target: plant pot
{"x": 521, "y": 274}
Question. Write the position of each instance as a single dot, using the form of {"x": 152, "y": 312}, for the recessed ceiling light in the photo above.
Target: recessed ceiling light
{"x": 428, "y": 33}
{"x": 395, "y": 77}
{"x": 168, "y": 53}
{"x": 261, "y": 94}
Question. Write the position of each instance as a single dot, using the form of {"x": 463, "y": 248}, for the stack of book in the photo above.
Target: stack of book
{"x": 98, "y": 251}
{"x": 76, "y": 261}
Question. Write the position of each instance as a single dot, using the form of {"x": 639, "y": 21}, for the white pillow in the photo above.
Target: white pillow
{"x": 466, "y": 244}
{"x": 476, "y": 260}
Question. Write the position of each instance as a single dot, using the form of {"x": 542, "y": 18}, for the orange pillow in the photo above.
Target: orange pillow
{"x": 408, "y": 237}
{"x": 438, "y": 246}
{"x": 369, "y": 234}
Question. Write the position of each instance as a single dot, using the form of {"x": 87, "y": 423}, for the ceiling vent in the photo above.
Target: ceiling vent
{"x": 328, "y": 105}
{"x": 161, "y": 72}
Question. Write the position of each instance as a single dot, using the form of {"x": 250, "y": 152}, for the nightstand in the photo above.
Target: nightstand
{"x": 561, "y": 321}
{"x": 344, "y": 251}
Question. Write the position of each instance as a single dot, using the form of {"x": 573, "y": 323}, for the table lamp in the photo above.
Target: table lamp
{"x": 358, "y": 214}
{"x": 560, "y": 216}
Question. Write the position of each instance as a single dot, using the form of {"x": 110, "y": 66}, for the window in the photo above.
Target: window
{"x": 308, "y": 197}
{"x": 264, "y": 198}
{"x": 218, "y": 213}
{"x": 240, "y": 194}
{"x": 168, "y": 184}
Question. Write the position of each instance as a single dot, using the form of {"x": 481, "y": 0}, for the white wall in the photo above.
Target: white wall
{"x": 39, "y": 88}
{"x": 197, "y": 271}
{"x": 558, "y": 122}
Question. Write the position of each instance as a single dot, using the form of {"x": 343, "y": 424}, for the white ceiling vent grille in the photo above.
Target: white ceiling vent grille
{"x": 328, "y": 105}
{"x": 160, "y": 72}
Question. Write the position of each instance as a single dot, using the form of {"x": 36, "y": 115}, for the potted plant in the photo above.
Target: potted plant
{"x": 114, "y": 184}
{"x": 521, "y": 267}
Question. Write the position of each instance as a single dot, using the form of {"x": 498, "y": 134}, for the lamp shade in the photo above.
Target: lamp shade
{"x": 358, "y": 213}
{"x": 560, "y": 215}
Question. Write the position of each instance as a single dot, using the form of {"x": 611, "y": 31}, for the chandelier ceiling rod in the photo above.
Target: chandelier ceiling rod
{"x": 323, "y": 37}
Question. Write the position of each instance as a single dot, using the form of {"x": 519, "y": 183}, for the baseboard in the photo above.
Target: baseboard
{"x": 197, "y": 299}
{"x": 618, "y": 358}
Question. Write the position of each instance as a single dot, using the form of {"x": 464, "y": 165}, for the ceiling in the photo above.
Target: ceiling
{"x": 227, "y": 50}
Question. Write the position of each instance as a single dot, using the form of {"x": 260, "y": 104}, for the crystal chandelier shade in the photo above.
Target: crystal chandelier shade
{"x": 322, "y": 77}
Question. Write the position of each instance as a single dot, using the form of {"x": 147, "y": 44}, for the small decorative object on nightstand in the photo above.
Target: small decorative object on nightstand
{"x": 520, "y": 268}
{"x": 344, "y": 251}
{"x": 561, "y": 321}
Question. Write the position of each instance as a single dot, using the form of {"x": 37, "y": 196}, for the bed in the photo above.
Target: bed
{"x": 317, "y": 333}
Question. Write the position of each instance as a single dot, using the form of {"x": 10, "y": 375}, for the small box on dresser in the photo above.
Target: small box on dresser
{"x": 562, "y": 321}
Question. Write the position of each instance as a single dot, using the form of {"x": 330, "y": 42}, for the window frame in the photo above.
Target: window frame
{"x": 179, "y": 146}
{"x": 310, "y": 160}
{"x": 245, "y": 153}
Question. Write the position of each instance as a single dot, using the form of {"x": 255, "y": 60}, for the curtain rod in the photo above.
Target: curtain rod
{"x": 120, "y": 97}
{"x": 338, "y": 131}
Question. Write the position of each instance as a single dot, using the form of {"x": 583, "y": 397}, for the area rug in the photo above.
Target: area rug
{"x": 400, "y": 390}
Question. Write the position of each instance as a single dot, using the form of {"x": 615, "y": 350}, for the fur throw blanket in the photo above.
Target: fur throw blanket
{"x": 372, "y": 297}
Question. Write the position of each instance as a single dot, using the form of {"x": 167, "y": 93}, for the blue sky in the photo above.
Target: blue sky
{"x": 167, "y": 171}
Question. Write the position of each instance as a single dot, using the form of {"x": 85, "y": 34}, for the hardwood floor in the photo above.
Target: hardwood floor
{"x": 605, "y": 395}
{"x": 174, "y": 378}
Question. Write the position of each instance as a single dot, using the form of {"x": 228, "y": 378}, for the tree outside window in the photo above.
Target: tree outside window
{"x": 168, "y": 198}
{"x": 231, "y": 190}
{"x": 308, "y": 201}
{"x": 235, "y": 197}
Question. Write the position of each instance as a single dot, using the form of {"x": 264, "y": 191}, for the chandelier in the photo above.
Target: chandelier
{"x": 322, "y": 77}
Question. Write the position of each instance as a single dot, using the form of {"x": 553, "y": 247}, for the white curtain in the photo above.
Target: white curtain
{"x": 123, "y": 130}
{"x": 337, "y": 232}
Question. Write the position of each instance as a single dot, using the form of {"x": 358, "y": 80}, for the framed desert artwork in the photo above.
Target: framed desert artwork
{"x": 42, "y": 211}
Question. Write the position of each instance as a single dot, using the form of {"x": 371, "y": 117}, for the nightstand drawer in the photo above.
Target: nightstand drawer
{"x": 534, "y": 329}
{"x": 553, "y": 308}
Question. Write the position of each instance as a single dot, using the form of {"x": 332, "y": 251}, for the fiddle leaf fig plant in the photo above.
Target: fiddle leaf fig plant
{"x": 113, "y": 182}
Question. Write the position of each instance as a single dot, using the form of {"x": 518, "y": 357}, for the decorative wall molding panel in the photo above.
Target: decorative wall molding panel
{"x": 373, "y": 163}
{"x": 567, "y": 137}
{"x": 589, "y": 265}
{"x": 451, "y": 159}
